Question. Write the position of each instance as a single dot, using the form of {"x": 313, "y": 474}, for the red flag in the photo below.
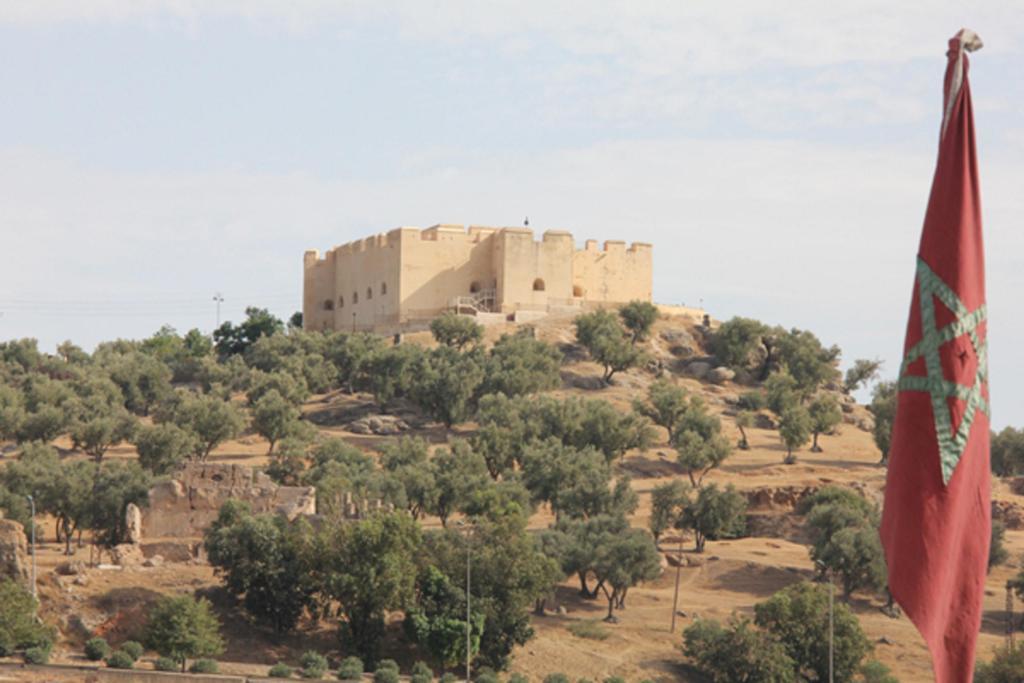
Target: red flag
{"x": 936, "y": 520}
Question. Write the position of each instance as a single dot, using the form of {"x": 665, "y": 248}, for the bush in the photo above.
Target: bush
{"x": 486, "y": 675}
{"x": 37, "y": 655}
{"x": 204, "y": 666}
{"x": 280, "y": 670}
{"x": 96, "y": 649}
{"x": 1005, "y": 666}
{"x": 520, "y": 678}
{"x": 753, "y": 400}
{"x": 133, "y": 648}
{"x": 119, "y": 659}
{"x": 589, "y": 629}
{"x": 166, "y": 664}
{"x": 615, "y": 679}
{"x": 385, "y": 675}
{"x": 421, "y": 673}
{"x": 556, "y": 678}
{"x": 876, "y": 672}
{"x": 449, "y": 678}
{"x": 314, "y": 664}
{"x": 351, "y": 669}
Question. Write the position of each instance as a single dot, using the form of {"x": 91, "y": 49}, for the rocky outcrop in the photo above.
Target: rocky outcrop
{"x": 14, "y": 558}
{"x": 1010, "y": 514}
{"x": 778, "y": 497}
{"x": 188, "y": 503}
{"x": 383, "y": 425}
{"x": 721, "y": 375}
{"x": 133, "y": 523}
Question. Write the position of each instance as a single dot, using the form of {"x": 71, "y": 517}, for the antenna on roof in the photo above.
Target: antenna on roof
{"x": 526, "y": 222}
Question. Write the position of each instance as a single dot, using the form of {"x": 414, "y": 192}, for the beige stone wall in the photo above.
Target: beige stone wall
{"x": 409, "y": 275}
{"x": 613, "y": 273}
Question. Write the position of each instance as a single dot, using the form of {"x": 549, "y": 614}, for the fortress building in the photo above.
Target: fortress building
{"x": 401, "y": 279}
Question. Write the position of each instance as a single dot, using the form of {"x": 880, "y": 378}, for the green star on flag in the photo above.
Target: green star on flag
{"x": 952, "y": 440}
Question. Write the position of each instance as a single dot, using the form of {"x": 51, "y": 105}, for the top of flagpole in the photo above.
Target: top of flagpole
{"x": 968, "y": 40}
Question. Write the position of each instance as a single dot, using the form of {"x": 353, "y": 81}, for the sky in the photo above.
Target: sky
{"x": 777, "y": 155}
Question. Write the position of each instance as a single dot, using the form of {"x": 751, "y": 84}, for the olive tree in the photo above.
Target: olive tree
{"x": 184, "y": 628}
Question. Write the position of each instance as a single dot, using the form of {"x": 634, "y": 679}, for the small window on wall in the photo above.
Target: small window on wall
{"x": 577, "y": 291}
{"x": 474, "y": 287}
{"x": 538, "y": 285}
{"x": 328, "y": 305}
{"x": 355, "y": 297}
{"x": 341, "y": 302}
{"x": 383, "y": 288}
{"x": 369, "y": 293}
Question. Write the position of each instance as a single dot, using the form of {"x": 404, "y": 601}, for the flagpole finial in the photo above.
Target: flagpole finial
{"x": 970, "y": 40}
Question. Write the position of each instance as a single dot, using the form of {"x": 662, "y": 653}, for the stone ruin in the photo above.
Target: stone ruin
{"x": 187, "y": 504}
{"x": 14, "y": 557}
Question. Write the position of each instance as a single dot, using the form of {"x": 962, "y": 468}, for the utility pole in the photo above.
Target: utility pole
{"x": 675, "y": 596}
{"x": 469, "y": 548}
{"x": 219, "y": 298}
{"x": 32, "y": 502}
{"x": 831, "y": 628}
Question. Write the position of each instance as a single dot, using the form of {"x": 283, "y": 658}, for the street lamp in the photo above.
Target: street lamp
{"x": 219, "y": 298}
{"x": 462, "y": 523}
{"x": 32, "y": 502}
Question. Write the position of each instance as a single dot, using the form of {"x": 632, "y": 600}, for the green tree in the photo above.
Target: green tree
{"x": 456, "y": 331}
{"x": 736, "y": 342}
{"x": 368, "y": 567}
{"x": 265, "y": 559}
{"x": 699, "y": 443}
{"x": 163, "y": 447}
{"x": 825, "y": 416}
{"x": 744, "y": 421}
{"x": 569, "y": 480}
{"x": 668, "y": 501}
{"x": 445, "y": 383}
{"x": 876, "y": 672}
{"x": 855, "y": 555}
{"x": 356, "y": 358}
{"x": 99, "y": 432}
{"x": 738, "y": 652}
{"x": 20, "y": 628}
{"x": 798, "y": 617}
{"x": 407, "y": 460}
{"x": 115, "y": 485}
{"x": 714, "y": 514}
{"x": 860, "y": 373}
{"x": 883, "y": 408}
{"x": 807, "y": 361}
{"x": 291, "y": 387}
{"x": 391, "y": 372}
{"x": 12, "y": 412}
{"x": 997, "y": 553}
{"x": 665, "y": 405}
{"x": 627, "y": 560}
{"x": 638, "y": 317}
{"x": 275, "y": 418}
{"x": 519, "y": 364}
{"x": 437, "y": 620}
{"x": 210, "y": 419}
{"x": 458, "y": 472}
{"x": 1007, "y": 451}
{"x": 184, "y": 628}
{"x": 231, "y": 340}
{"x": 794, "y": 429}
{"x": 781, "y": 392}
{"x": 143, "y": 379}
{"x": 604, "y": 339}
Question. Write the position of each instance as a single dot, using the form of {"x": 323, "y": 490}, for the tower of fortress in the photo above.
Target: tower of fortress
{"x": 401, "y": 279}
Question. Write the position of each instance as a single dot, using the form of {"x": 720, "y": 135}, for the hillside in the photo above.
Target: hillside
{"x": 729, "y": 577}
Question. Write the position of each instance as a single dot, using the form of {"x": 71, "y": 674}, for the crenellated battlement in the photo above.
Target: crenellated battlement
{"x": 382, "y": 280}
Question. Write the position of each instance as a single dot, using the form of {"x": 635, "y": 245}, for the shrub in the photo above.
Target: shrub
{"x": 351, "y": 669}
{"x": 589, "y": 629}
{"x": 556, "y": 678}
{"x": 133, "y": 648}
{"x": 1005, "y": 667}
{"x": 37, "y": 655}
{"x": 96, "y": 649}
{"x": 385, "y": 675}
{"x": 314, "y": 664}
{"x": 421, "y": 673}
{"x": 119, "y": 659}
{"x": 520, "y": 678}
{"x": 486, "y": 675}
{"x": 165, "y": 664}
{"x": 204, "y": 666}
{"x": 280, "y": 670}
{"x": 876, "y": 672}
{"x": 753, "y": 400}
{"x": 615, "y": 679}
{"x": 449, "y": 678}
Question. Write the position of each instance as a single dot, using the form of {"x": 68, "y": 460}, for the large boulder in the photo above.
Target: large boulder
{"x": 698, "y": 369}
{"x": 721, "y": 375}
{"x": 133, "y": 523}
{"x": 14, "y": 558}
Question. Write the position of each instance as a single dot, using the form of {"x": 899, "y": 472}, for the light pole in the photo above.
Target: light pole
{"x": 219, "y": 298}
{"x": 462, "y": 523}
{"x": 32, "y": 502}
{"x": 675, "y": 595}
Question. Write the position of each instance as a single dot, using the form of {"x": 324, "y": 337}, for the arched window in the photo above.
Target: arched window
{"x": 383, "y": 288}
{"x": 341, "y": 302}
{"x": 355, "y": 297}
{"x": 474, "y": 287}
{"x": 577, "y": 291}
{"x": 538, "y": 285}
{"x": 328, "y": 305}
{"x": 369, "y": 293}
